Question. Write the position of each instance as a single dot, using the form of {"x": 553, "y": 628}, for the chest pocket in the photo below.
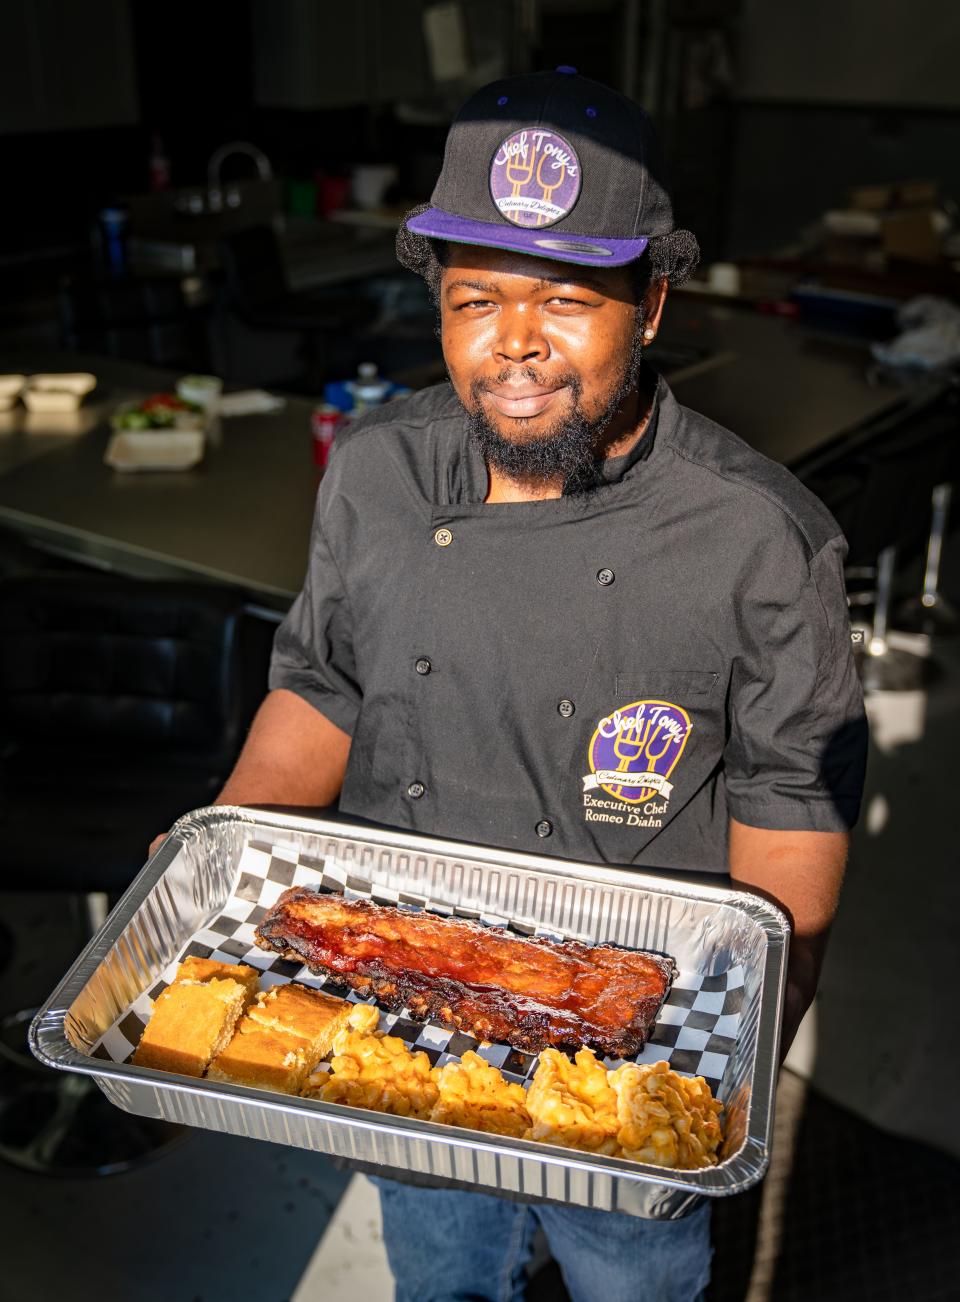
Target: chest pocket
{"x": 686, "y": 684}
{"x": 646, "y": 748}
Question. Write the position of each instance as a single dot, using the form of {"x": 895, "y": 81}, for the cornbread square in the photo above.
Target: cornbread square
{"x": 189, "y": 1025}
{"x": 264, "y": 1058}
{"x": 207, "y": 969}
{"x": 299, "y": 1010}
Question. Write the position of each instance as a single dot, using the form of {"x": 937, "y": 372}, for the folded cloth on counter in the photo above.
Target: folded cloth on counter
{"x": 249, "y": 402}
{"x": 929, "y": 338}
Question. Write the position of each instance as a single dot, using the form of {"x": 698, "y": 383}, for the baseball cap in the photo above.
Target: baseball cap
{"x": 551, "y": 164}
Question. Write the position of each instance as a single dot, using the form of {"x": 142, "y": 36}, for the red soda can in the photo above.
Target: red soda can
{"x": 325, "y": 420}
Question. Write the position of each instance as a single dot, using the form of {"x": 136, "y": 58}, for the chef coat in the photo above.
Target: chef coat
{"x": 606, "y": 676}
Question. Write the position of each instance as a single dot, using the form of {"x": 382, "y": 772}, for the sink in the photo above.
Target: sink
{"x": 174, "y": 229}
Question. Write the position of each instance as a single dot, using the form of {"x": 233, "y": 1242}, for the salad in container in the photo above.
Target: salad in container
{"x": 161, "y": 411}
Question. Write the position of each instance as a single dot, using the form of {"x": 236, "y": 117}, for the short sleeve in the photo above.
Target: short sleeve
{"x": 313, "y": 652}
{"x": 796, "y": 750}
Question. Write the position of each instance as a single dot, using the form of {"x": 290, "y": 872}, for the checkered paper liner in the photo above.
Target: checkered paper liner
{"x": 695, "y": 1032}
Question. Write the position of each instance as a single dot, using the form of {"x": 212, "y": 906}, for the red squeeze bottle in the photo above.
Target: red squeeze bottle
{"x": 324, "y": 422}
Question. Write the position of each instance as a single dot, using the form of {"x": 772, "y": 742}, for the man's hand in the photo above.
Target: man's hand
{"x": 294, "y": 755}
{"x": 801, "y": 872}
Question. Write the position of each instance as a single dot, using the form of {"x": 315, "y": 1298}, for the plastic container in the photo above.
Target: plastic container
{"x": 11, "y": 387}
{"x": 58, "y": 393}
{"x": 204, "y": 390}
{"x": 136, "y": 450}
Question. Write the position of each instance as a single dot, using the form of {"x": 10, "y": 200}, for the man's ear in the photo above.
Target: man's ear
{"x": 654, "y": 297}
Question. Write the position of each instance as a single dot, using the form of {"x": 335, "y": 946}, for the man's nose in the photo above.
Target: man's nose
{"x": 520, "y": 338}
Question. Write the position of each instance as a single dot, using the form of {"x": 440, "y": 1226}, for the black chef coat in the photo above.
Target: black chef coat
{"x": 606, "y": 676}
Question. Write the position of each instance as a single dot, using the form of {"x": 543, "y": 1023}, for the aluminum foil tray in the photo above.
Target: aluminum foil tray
{"x": 708, "y": 930}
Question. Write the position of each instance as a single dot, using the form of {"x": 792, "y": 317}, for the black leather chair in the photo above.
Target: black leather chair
{"x": 122, "y": 705}
{"x": 256, "y": 289}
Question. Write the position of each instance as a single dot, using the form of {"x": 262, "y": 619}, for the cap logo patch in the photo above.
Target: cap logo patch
{"x": 535, "y": 177}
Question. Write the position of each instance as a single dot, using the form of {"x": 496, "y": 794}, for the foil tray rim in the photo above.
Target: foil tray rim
{"x": 49, "y": 1043}
{"x": 703, "y": 1180}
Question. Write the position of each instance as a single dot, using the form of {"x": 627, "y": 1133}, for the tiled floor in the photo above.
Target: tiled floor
{"x": 860, "y": 1202}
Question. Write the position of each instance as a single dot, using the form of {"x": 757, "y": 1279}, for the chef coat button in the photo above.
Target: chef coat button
{"x": 423, "y": 665}
{"x": 605, "y": 577}
{"x": 566, "y": 708}
{"x": 416, "y": 790}
{"x": 443, "y": 537}
{"x": 544, "y": 827}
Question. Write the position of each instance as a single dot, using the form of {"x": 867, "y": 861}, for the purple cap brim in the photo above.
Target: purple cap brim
{"x": 539, "y": 242}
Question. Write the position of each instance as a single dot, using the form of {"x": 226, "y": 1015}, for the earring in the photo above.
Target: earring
{"x": 648, "y": 333}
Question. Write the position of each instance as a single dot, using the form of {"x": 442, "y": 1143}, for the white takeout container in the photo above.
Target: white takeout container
{"x": 48, "y": 392}
{"x": 157, "y": 449}
{"x": 75, "y": 421}
{"x": 10, "y": 388}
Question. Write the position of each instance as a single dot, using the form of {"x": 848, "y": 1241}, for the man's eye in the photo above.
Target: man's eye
{"x": 475, "y": 302}
{"x": 567, "y": 302}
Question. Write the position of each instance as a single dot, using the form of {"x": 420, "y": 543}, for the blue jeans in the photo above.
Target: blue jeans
{"x": 445, "y": 1245}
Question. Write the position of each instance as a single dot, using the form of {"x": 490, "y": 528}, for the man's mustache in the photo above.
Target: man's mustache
{"x": 514, "y": 374}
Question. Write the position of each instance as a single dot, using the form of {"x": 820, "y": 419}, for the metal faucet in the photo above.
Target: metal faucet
{"x": 215, "y": 196}
{"x": 264, "y": 170}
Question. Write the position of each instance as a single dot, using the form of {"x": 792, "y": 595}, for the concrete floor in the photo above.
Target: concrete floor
{"x": 886, "y": 1043}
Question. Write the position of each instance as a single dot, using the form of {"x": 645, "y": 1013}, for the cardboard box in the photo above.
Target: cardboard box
{"x": 871, "y": 198}
{"x": 912, "y": 234}
{"x": 919, "y": 193}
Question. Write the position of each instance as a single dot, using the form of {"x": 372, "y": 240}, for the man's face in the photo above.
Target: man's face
{"x": 540, "y": 353}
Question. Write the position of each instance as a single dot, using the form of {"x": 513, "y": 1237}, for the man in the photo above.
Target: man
{"x": 548, "y": 608}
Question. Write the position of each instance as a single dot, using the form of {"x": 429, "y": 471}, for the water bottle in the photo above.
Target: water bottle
{"x": 369, "y": 389}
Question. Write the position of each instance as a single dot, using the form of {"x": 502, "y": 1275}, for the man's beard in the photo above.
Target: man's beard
{"x": 570, "y": 449}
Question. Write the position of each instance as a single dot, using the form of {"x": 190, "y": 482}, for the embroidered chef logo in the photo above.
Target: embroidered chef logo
{"x": 632, "y": 754}
{"x": 535, "y": 177}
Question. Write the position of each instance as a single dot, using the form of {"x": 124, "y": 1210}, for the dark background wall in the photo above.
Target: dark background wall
{"x": 793, "y": 161}
{"x": 834, "y": 93}
{"x": 769, "y": 110}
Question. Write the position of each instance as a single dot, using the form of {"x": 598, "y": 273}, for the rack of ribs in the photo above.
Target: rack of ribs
{"x": 490, "y": 983}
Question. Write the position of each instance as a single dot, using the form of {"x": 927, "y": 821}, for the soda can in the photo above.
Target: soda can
{"x": 324, "y": 422}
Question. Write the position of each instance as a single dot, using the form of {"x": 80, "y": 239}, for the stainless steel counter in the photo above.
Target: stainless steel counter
{"x": 25, "y": 435}
{"x": 785, "y": 389}
{"x": 243, "y": 515}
